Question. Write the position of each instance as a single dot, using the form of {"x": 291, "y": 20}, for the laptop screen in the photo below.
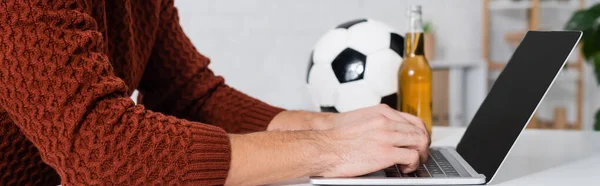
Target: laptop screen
{"x": 514, "y": 97}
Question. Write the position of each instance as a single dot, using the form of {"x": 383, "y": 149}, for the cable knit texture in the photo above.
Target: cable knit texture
{"x": 66, "y": 70}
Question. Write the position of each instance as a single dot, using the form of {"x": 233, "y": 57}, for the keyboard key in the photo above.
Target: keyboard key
{"x": 447, "y": 167}
{"x": 450, "y": 171}
{"x": 453, "y": 174}
{"x": 434, "y": 169}
{"x": 392, "y": 172}
{"x": 408, "y": 175}
{"x": 438, "y": 175}
{"x": 435, "y": 172}
{"x": 422, "y": 173}
{"x": 392, "y": 175}
{"x": 391, "y": 168}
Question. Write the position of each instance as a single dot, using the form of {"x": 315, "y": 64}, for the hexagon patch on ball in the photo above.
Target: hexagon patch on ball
{"x": 355, "y": 65}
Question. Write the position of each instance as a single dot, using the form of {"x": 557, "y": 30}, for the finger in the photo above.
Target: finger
{"x": 403, "y": 126}
{"x": 401, "y": 116}
{"x": 408, "y": 159}
{"x": 410, "y": 137}
{"x": 377, "y": 122}
{"x": 390, "y": 113}
{"x": 418, "y": 122}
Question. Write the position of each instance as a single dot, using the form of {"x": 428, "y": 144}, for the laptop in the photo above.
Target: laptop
{"x": 496, "y": 126}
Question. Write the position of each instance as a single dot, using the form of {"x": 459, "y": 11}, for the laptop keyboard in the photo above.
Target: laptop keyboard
{"x": 436, "y": 166}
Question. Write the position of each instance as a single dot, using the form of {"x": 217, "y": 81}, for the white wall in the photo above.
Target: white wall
{"x": 261, "y": 47}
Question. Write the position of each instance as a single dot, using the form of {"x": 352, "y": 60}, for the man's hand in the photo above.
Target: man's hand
{"x": 302, "y": 120}
{"x": 347, "y": 118}
{"x": 374, "y": 143}
{"x": 366, "y": 140}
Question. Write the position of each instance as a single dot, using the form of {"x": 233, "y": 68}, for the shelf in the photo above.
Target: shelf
{"x": 448, "y": 64}
{"x": 525, "y": 4}
{"x": 559, "y": 4}
{"x": 514, "y": 38}
{"x": 508, "y": 4}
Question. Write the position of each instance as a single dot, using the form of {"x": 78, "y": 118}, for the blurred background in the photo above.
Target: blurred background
{"x": 262, "y": 48}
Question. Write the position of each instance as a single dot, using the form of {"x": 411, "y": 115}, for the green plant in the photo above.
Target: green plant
{"x": 427, "y": 27}
{"x": 597, "y": 127}
{"x": 587, "y": 22}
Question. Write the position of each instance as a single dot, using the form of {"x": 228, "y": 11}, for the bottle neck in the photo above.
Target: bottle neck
{"x": 415, "y": 21}
{"x": 414, "y": 40}
{"x": 413, "y": 45}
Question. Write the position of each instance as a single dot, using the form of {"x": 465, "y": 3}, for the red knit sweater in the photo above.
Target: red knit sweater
{"x": 67, "y": 69}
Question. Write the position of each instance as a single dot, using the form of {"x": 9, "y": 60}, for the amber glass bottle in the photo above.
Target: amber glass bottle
{"x": 414, "y": 75}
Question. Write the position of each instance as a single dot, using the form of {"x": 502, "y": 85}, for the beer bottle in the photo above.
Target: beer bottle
{"x": 414, "y": 75}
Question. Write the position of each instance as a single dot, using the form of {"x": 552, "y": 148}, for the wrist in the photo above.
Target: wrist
{"x": 323, "y": 120}
{"x": 325, "y": 156}
{"x": 301, "y": 120}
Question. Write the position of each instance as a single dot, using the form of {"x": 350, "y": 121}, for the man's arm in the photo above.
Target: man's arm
{"x": 59, "y": 89}
{"x": 366, "y": 145}
{"x": 177, "y": 81}
{"x": 21, "y": 163}
{"x": 266, "y": 157}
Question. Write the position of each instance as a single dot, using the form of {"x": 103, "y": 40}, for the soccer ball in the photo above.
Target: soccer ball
{"x": 355, "y": 65}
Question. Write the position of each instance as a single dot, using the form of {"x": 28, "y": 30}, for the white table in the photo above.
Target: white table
{"x": 541, "y": 157}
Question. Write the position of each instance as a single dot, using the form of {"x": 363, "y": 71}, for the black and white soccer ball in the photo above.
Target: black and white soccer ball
{"x": 355, "y": 65}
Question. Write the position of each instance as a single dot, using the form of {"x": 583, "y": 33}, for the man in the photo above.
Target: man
{"x": 67, "y": 68}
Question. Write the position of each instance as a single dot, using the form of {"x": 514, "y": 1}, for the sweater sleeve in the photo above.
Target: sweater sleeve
{"x": 20, "y": 161}
{"x": 178, "y": 81}
{"x": 59, "y": 89}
